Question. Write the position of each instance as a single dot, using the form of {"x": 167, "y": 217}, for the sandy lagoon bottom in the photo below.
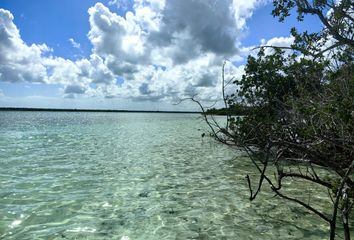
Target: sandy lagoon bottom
{"x": 133, "y": 176}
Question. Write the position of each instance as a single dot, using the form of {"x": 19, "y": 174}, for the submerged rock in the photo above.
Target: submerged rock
{"x": 144, "y": 194}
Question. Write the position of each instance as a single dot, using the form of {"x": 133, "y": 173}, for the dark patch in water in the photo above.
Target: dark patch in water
{"x": 144, "y": 194}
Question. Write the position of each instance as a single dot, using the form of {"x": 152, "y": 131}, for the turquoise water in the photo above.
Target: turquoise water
{"x": 70, "y": 175}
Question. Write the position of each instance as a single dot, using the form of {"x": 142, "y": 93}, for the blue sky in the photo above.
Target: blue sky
{"x": 143, "y": 54}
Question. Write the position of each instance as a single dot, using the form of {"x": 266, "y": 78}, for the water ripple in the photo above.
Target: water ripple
{"x": 131, "y": 176}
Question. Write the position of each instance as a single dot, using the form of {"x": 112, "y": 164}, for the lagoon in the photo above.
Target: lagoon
{"x": 87, "y": 175}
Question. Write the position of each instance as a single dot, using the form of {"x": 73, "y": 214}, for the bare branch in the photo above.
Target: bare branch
{"x": 303, "y": 204}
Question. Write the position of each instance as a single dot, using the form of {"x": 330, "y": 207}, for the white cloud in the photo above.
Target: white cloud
{"x": 243, "y": 9}
{"x": 277, "y": 42}
{"x": 168, "y": 33}
{"x": 74, "y": 43}
{"x": 164, "y": 50}
{"x": 18, "y": 61}
{"x": 167, "y": 49}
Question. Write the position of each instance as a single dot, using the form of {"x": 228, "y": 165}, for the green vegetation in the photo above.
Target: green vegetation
{"x": 299, "y": 102}
{"x": 234, "y": 110}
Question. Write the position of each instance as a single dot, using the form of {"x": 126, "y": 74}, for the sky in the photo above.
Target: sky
{"x": 131, "y": 55}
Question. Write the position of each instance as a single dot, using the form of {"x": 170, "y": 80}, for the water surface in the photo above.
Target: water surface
{"x": 72, "y": 175}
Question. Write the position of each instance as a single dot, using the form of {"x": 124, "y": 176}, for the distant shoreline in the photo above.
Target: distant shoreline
{"x": 87, "y": 110}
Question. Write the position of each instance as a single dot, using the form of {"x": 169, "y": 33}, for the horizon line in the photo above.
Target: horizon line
{"x": 88, "y": 110}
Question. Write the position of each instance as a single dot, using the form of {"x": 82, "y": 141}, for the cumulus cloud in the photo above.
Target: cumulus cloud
{"x": 167, "y": 48}
{"x": 161, "y": 49}
{"x": 185, "y": 32}
{"x": 168, "y": 33}
{"x": 18, "y": 61}
{"x": 277, "y": 42}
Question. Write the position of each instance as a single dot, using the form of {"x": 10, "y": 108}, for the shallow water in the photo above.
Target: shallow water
{"x": 71, "y": 175}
